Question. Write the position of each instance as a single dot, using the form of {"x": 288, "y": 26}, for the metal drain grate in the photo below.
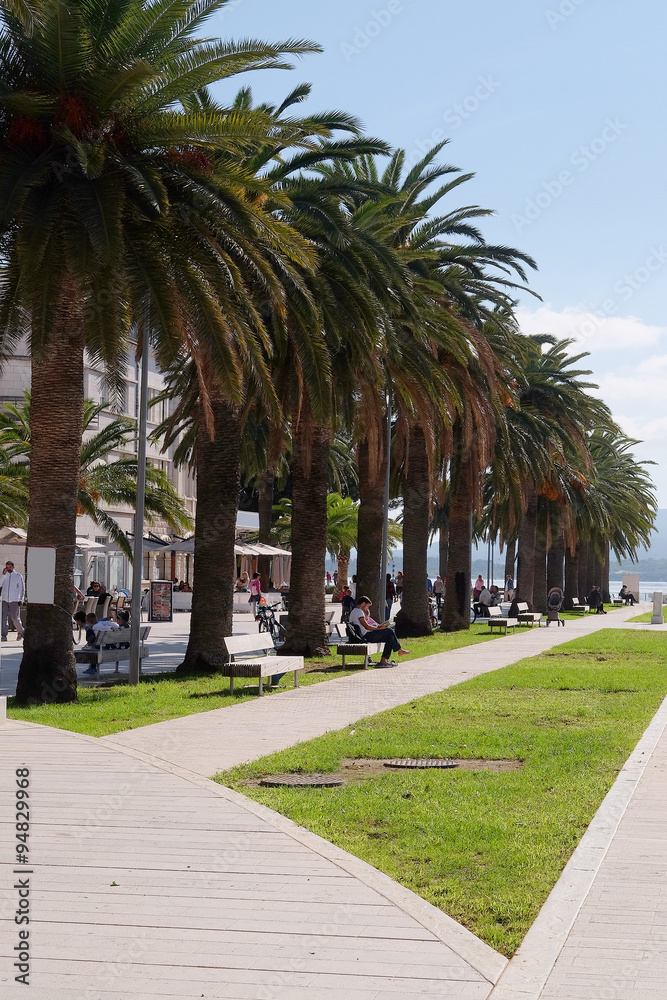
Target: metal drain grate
{"x": 420, "y": 762}
{"x": 301, "y": 781}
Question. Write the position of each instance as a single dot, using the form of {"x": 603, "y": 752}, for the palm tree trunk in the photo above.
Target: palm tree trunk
{"x": 48, "y": 671}
{"x": 510, "y": 558}
{"x": 540, "y": 573}
{"x": 571, "y": 577}
{"x": 525, "y": 573}
{"x": 265, "y": 507}
{"x": 443, "y": 550}
{"x": 456, "y": 607}
{"x": 343, "y": 560}
{"x": 218, "y": 485}
{"x": 594, "y": 578}
{"x": 555, "y": 560}
{"x": 606, "y": 590}
{"x": 306, "y": 630}
{"x": 372, "y": 486}
{"x": 583, "y": 571}
{"x": 413, "y": 619}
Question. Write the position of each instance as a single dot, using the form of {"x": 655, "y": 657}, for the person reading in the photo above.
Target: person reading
{"x": 380, "y": 632}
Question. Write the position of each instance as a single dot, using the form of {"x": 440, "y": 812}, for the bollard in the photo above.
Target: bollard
{"x": 657, "y": 617}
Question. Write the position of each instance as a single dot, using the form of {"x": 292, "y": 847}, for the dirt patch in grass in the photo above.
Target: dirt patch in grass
{"x": 358, "y": 769}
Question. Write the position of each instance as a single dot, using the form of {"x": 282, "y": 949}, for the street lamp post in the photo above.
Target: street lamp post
{"x": 385, "y": 524}
{"x": 138, "y": 549}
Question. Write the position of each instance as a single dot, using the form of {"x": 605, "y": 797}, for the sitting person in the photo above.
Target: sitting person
{"x": 123, "y": 618}
{"x": 627, "y": 596}
{"x": 495, "y": 597}
{"x": 483, "y": 603}
{"x": 95, "y": 634}
{"x": 595, "y": 601}
{"x": 80, "y": 619}
{"x": 360, "y": 618}
{"x": 347, "y": 602}
{"x": 185, "y": 587}
{"x": 95, "y": 629}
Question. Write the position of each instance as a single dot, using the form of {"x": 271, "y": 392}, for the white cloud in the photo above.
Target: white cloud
{"x": 592, "y": 332}
{"x": 632, "y": 383}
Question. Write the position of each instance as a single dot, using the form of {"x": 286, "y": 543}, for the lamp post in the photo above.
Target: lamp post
{"x": 385, "y": 524}
{"x": 138, "y": 546}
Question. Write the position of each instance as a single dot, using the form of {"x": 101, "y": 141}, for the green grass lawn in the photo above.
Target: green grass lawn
{"x": 104, "y": 710}
{"x": 647, "y": 617}
{"x": 485, "y": 847}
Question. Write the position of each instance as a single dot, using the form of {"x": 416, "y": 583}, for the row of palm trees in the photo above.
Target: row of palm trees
{"x": 298, "y": 281}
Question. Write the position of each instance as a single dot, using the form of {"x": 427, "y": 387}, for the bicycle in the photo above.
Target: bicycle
{"x": 267, "y": 621}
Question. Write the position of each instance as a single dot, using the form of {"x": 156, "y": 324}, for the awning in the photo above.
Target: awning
{"x": 17, "y": 536}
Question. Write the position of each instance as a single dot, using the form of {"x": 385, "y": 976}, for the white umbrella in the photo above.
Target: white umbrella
{"x": 17, "y": 536}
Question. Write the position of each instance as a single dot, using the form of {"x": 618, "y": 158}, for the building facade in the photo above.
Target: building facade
{"x": 113, "y": 568}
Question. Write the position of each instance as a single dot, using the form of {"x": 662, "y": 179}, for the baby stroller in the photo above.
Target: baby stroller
{"x": 554, "y": 604}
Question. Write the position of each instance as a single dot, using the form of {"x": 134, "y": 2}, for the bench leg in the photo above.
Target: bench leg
{"x": 366, "y": 659}
{"x": 296, "y": 678}
{"x": 231, "y": 684}
{"x": 261, "y": 686}
{"x": 343, "y": 656}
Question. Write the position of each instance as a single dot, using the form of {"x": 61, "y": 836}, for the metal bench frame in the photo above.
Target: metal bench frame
{"x": 105, "y": 654}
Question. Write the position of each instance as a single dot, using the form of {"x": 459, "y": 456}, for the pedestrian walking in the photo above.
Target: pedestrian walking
{"x": 12, "y": 591}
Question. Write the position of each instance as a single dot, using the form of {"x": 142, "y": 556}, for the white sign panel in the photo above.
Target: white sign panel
{"x": 40, "y": 575}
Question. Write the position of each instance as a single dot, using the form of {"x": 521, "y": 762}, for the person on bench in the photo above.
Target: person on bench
{"x": 95, "y": 634}
{"x": 361, "y": 619}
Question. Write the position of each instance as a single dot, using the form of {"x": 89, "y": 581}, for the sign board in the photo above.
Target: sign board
{"x": 631, "y": 581}
{"x": 160, "y": 604}
{"x": 40, "y": 574}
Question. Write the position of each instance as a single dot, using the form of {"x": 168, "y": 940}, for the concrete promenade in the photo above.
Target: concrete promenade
{"x": 148, "y": 880}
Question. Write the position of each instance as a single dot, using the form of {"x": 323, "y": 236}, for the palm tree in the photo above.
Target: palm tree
{"x": 103, "y": 481}
{"x": 116, "y": 192}
{"x": 535, "y": 478}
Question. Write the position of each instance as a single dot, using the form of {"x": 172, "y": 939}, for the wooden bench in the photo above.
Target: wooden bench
{"x": 264, "y": 662}
{"x": 107, "y": 654}
{"x": 526, "y": 617}
{"x": 496, "y": 620}
{"x": 357, "y": 645}
{"x": 581, "y": 609}
{"x": 365, "y": 649}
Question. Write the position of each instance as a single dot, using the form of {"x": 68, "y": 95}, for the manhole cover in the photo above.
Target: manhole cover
{"x": 420, "y": 762}
{"x": 301, "y": 781}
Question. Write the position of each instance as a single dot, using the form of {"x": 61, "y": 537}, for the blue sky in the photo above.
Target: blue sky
{"x": 557, "y": 107}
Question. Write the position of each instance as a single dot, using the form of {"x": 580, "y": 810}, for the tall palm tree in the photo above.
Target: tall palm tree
{"x": 115, "y": 192}
{"x": 535, "y": 475}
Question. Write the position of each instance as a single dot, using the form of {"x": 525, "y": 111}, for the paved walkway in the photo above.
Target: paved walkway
{"x": 214, "y": 741}
{"x": 146, "y": 884}
{"x": 216, "y": 896}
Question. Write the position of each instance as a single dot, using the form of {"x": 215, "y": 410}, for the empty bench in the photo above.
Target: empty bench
{"x": 255, "y": 656}
{"x": 526, "y": 617}
{"x": 581, "y": 609}
{"x": 496, "y": 620}
{"x": 109, "y": 652}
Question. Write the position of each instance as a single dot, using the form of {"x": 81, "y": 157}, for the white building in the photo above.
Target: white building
{"x": 114, "y": 569}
